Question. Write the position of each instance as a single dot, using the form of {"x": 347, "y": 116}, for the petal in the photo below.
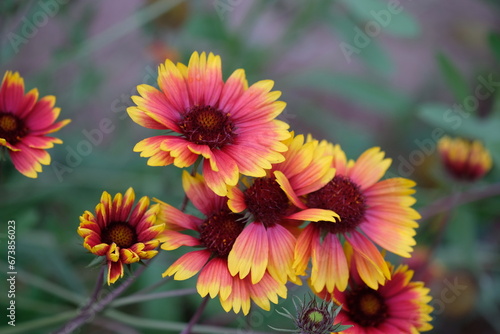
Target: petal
{"x": 179, "y": 149}
{"x": 227, "y": 174}
{"x": 239, "y": 299}
{"x": 303, "y": 248}
{"x": 173, "y": 85}
{"x": 151, "y": 148}
{"x": 315, "y": 215}
{"x": 202, "y": 197}
{"x": 288, "y": 189}
{"x": 176, "y": 219}
{"x": 28, "y": 161}
{"x": 250, "y": 253}
{"x": 188, "y": 265}
{"x": 236, "y": 200}
{"x": 128, "y": 256}
{"x": 281, "y": 253}
{"x": 115, "y": 271}
{"x": 215, "y": 279}
{"x": 369, "y": 168}
{"x": 369, "y": 262}
{"x": 172, "y": 240}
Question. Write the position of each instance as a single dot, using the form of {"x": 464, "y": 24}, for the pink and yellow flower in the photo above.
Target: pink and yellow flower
{"x": 232, "y": 126}
{"x": 122, "y": 233}
{"x": 275, "y": 210}
{"x": 371, "y": 212}
{"x": 25, "y": 122}
{"x": 398, "y": 307}
{"x": 215, "y": 235}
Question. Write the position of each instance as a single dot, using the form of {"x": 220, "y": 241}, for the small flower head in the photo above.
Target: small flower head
{"x": 399, "y": 306}
{"x": 214, "y": 235}
{"x": 372, "y": 212}
{"x": 25, "y": 122}
{"x": 313, "y": 318}
{"x": 275, "y": 210}
{"x": 122, "y": 233}
{"x": 233, "y": 127}
{"x": 466, "y": 160}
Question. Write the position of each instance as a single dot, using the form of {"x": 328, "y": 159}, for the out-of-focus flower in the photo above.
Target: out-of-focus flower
{"x": 160, "y": 50}
{"x": 466, "y": 160}
{"x": 173, "y": 18}
{"x": 215, "y": 235}
{"x": 232, "y": 126}
{"x": 313, "y": 318}
{"x": 398, "y": 307}
{"x": 274, "y": 211}
{"x": 370, "y": 211}
{"x": 25, "y": 122}
{"x": 122, "y": 233}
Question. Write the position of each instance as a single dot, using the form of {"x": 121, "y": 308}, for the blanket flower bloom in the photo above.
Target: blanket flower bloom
{"x": 122, "y": 234}
{"x": 274, "y": 210}
{"x": 25, "y": 122}
{"x": 216, "y": 234}
{"x": 371, "y": 211}
{"x": 400, "y": 306}
{"x": 232, "y": 126}
{"x": 464, "y": 159}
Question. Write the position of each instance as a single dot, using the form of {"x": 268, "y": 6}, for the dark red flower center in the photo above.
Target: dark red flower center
{"x": 205, "y": 125}
{"x": 12, "y": 128}
{"x": 343, "y": 197}
{"x": 266, "y": 201}
{"x": 121, "y": 233}
{"x": 219, "y": 232}
{"x": 367, "y": 307}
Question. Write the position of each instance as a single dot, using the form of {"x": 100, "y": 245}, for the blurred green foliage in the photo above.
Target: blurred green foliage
{"x": 360, "y": 108}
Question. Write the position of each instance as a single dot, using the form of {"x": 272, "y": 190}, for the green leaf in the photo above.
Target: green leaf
{"x": 392, "y": 18}
{"x": 454, "y": 79}
{"x": 366, "y": 93}
{"x": 371, "y": 54}
{"x": 494, "y": 41}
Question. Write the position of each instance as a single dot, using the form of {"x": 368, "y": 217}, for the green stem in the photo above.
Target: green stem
{"x": 196, "y": 316}
{"x": 137, "y": 298}
{"x": 34, "y": 326}
{"x": 141, "y": 322}
{"x": 449, "y": 202}
{"x": 93, "y": 307}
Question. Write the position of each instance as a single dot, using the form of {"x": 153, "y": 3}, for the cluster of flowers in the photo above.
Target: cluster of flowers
{"x": 274, "y": 206}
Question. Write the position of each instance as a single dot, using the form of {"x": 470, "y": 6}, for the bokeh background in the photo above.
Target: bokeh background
{"x": 349, "y": 74}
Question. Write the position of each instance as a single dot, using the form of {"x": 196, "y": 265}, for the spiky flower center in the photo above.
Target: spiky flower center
{"x": 121, "y": 233}
{"x": 219, "y": 232}
{"x": 344, "y": 197}
{"x": 12, "y": 128}
{"x": 315, "y": 319}
{"x": 206, "y": 125}
{"x": 266, "y": 201}
{"x": 366, "y": 307}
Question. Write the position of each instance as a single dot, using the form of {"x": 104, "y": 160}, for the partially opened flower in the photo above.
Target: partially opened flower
{"x": 464, "y": 159}
{"x": 232, "y": 126}
{"x": 371, "y": 211}
{"x": 274, "y": 211}
{"x": 215, "y": 234}
{"x": 313, "y": 318}
{"x": 398, "y": 307}
{"x": 122, "y": 233}
{"x": 25, "y": 122}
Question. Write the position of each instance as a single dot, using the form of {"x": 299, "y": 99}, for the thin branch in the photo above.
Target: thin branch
{"x": 195, "y": 317}
{"x": 137, "y": 298}
{"x": 449, "y": 202}
{"x": 93, "y": 307}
